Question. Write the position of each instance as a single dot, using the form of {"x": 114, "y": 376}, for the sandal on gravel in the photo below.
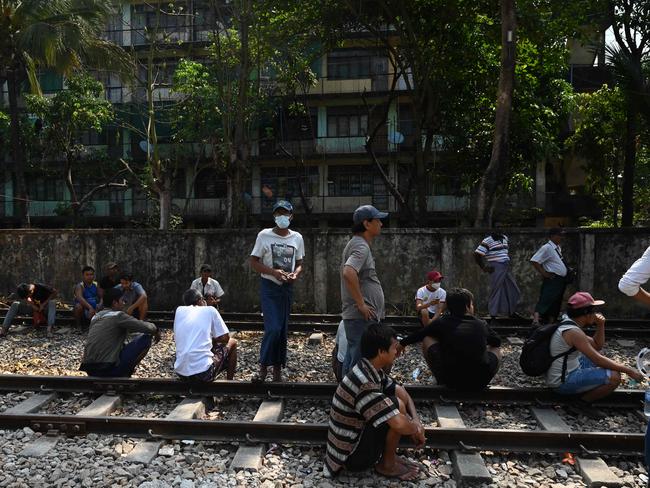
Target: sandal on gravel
{"x": 401, "y": 473}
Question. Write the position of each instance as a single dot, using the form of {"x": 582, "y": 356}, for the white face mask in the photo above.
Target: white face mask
{"x": 282, "y": 221}
{"x": 435, "y": 286}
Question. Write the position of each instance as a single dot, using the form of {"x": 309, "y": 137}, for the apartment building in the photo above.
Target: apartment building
{"x": 318, "y": 161}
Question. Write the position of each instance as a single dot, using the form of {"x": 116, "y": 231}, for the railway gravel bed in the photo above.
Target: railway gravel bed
{"x": 146, "y": 406}
{"x": 8, "y": 400}
{"x": 306, "y": 411}
{"x": 232, "y": 409}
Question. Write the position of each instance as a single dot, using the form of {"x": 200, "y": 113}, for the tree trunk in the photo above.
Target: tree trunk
{"x": 627, "y": 200}
{"x": 165, "y": 203}
{"x": 17, "y": 149}
{"x": 499, "y": 157}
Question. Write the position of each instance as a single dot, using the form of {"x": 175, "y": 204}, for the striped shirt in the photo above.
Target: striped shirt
{"x": 494, "y": 251}
{"x": 359, "y": 399}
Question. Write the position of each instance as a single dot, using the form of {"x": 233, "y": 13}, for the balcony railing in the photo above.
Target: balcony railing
{"x": 142, "y": 36}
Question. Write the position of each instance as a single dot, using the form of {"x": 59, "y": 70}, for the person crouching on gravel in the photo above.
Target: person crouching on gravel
{"x": 105, "y": 353}
{"x": 587, "y": 371}
{"x": 370, "y": 413}
{"x": 462, "y": 351}
{"x": 203, "y": 344}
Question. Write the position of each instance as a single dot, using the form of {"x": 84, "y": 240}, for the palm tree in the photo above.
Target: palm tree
{"x": 62, "y": 35}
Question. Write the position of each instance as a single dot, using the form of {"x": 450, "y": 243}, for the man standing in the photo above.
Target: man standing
{"x": 549, "y": 263}
{"x": 105, "y": 353}
{"x": 203, "y": 344}
{"x": 504, "y": 292}
{"x": 34, "y": 298}
{"x": 362, "y": 296}
{"x": 86, "y": 296}
{"x": 430, "y": 299}
{"x": 134, "y": 298}
{"x": 370, "y": 413}
{"x": 630, "y": 284}
{"x": 278, "y": 256}
{"x": 207, "y": 286}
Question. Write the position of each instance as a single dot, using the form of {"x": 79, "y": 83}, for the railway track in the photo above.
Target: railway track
{"x": 637, "y": 328}
{"x": 300, "y": 433}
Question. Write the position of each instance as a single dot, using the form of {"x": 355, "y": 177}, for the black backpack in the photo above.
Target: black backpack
{"x": 536, "y": 359}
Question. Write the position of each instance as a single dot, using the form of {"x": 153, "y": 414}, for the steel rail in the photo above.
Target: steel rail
{"x": 296, "y": 433}
{"x": 637, "y": 330}
{"x": 493, "y": 395}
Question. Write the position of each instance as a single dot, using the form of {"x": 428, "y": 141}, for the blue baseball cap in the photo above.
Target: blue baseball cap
{"x": 283, "y": 204}
{"x": 367, "y": 212}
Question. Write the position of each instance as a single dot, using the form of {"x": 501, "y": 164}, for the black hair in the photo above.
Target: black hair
{"x": 111, "y": 295}
{"x": 573, "y": 313}
{"x": 87, "y": 268}
{"x": 206, "y": 267}
{"x": 458, "y": 299}
{"x": 23, "y": 290}
{"x": 358, "y": 227}
{"x": 126, "y": 275}
{"x": 497, "y": 236}
{"x": 191, "y": 297}
{"x": 377, "y": 337}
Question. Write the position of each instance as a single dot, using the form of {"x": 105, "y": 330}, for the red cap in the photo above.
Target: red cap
{"x": 583, "y": 299}
{"x": 434, "y": 276}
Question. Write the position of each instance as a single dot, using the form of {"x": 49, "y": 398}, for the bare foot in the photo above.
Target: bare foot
{"x": 409, "y": 464}
{"x": 397, "y": 470}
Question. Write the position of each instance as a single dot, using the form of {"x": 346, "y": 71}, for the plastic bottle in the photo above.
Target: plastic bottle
{"x": 416, "y": 373}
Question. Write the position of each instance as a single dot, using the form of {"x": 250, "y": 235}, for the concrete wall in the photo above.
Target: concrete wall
{"x": 166, "y": 262}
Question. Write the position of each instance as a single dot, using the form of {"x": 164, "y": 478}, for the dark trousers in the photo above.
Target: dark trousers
{"x": 128, "y": 358}
{"x": 276, "y": 307}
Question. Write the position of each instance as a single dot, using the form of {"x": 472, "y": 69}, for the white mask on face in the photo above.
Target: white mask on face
{"x": 435, "y": 286}
{"x": 282, "y": 221}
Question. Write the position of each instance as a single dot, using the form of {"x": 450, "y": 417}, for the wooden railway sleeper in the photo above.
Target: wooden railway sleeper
{"x": 69, "y": 428}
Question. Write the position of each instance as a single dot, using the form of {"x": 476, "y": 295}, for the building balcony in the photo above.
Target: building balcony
{"x": 321, "y": 145}
{"x": 588, "y": 78}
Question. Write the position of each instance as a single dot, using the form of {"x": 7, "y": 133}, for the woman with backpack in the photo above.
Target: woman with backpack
{"x": 579, "y": 367}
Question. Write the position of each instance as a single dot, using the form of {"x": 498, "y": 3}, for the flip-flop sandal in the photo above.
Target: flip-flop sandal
{"x": 404, "y": 474}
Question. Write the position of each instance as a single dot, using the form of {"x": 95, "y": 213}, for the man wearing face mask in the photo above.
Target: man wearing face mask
{"x": 277, "y": 255}
{"x": 430, "y": 299}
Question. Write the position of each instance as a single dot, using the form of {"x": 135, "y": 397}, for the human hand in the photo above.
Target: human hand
{"x": 367, "y": 311}
{"x": 419, "y": 439}
{"x": 291, "y": 277}
{"x": 280, "y": 275}
{"x": 210, "y": 300}
{"x": 91, "y": 313}
{"x": 635, "y": 375}
{"x": 130, "y": 310}
{"x": 599, "y": 319}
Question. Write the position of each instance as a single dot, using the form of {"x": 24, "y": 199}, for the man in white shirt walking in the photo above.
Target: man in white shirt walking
{"x": 203, "y": 344}
{"x": 549, "y": 263}
{"x": 208, "y": 286}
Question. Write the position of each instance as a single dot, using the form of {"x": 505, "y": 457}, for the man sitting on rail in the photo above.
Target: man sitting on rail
{"x": 587, "y": 371}
{"x": 370, "y": 413}
{"x": 203, "y": 344}
{"x": 105, "y": 353}
{"x": 461, "y": 350}
{"x": 34, "y": 299}
{"x": 134, "y": 298}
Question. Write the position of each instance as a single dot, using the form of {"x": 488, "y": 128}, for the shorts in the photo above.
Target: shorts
{"x": 587, "y": 377}
{"x": 451, "y": 378}
{"x": 219, "y": 363}
{"x": 372, "y": 442}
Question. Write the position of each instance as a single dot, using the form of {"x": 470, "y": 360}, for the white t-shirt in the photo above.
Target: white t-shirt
{"x": 212, "y": 287}
{"x": 342, "y": 342}
{"x": 559, "y": 346}
{"x": 279, "y": 252}
{"x": 427, "y": 295}
{"x": 194, "y": 329}
{"x": 549, "y": 257}
{"x": 637, "y": 275}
